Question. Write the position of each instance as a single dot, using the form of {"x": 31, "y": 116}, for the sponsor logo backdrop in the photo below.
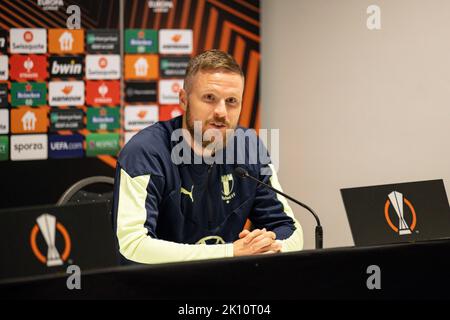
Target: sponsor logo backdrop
{"x": 61, "y": 100}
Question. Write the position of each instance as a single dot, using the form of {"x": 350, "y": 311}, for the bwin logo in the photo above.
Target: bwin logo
{"x": 71, "y": 68}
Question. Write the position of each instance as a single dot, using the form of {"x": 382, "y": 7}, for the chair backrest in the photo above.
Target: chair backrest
{"x": 76, "y": 194}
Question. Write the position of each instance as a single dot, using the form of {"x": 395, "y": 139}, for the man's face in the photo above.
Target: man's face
{"x": 214, "y": 99}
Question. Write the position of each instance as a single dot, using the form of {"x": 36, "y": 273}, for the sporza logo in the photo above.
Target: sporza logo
{"x": 29, "y": 147}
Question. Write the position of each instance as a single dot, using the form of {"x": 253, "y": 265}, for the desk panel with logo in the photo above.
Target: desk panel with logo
{"x": 47, "y": 239}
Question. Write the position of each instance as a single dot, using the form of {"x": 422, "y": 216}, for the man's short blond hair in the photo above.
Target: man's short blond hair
{"x": 208, "y": 61}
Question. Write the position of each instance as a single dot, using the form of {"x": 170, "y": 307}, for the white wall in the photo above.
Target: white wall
{"x": 355, "y": 107}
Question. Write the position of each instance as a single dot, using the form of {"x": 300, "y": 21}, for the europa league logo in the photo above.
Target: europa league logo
{"x": 396, "y": 199}
{"x": 48, "y": 226}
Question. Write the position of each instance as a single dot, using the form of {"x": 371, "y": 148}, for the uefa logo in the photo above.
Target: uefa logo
{"x": 405, "y": 212}
{"x": 46, "y": 224}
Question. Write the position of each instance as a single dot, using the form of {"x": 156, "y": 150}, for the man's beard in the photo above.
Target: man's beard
{"x": 205, "y": 143}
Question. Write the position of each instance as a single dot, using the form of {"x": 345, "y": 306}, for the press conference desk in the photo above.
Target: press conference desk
{"x": 420, "y": 270}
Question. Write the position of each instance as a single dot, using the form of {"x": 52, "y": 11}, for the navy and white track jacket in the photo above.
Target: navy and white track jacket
{"x": 164, "y": 212}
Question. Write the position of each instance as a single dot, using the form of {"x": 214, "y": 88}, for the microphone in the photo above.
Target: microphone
{"x": 241, "y": 172}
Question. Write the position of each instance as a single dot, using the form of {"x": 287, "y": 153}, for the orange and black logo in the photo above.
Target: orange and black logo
{"x": 56, "y": 254}
{"x": 404, "y": 212}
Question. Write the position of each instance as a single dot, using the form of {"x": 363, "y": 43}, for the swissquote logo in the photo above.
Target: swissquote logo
{"x": 407, "y": 219}
{"x": 28, "y": 40}
{"x": 55, "y": 254}
{"x": 169, "y": 90}
{"x": 99, "y": 67}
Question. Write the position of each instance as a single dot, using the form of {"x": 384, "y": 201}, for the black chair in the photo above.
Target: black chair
{"x": 92, "y": 189}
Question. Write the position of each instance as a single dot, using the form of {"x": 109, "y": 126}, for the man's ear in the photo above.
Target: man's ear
{"x": 183, "y": 99}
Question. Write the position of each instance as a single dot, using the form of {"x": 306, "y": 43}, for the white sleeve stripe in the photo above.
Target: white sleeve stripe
{"x": 295, "y": 241}
{"x": 134, "y": 242}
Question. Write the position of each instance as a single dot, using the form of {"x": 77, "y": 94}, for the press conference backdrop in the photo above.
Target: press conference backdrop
{"x": 69, "y": 100}
{"x": 355, "y": 107}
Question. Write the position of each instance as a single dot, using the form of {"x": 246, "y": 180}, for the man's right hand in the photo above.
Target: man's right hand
{"x": 256, "y": 242}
